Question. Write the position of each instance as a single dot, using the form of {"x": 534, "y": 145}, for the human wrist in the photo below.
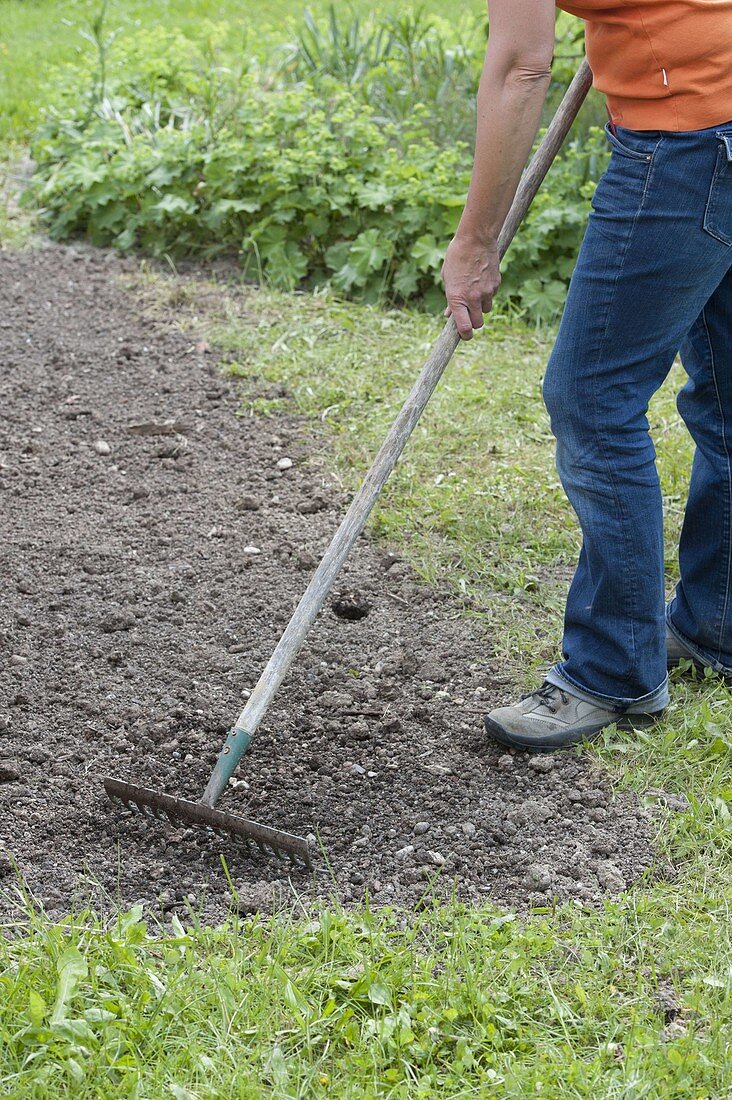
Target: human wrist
{"x": 477, "y": 238}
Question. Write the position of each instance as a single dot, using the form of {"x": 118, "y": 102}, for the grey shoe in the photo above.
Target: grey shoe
{"x": 552, "y": 718}
{"x": 676, "y": 652}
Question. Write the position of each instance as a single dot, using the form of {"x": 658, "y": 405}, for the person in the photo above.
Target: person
{"x": 653, "y": 278}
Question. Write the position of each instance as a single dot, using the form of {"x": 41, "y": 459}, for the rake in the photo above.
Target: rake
{"x": 261, "y": 837}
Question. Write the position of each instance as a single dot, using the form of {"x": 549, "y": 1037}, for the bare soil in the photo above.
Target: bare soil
{"x": 135, "y": 614}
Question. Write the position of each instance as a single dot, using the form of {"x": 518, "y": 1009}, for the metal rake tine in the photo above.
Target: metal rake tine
{"x": 177, "y": 811}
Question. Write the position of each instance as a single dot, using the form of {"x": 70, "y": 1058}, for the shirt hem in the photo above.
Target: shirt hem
{"x": 668, "y": 114}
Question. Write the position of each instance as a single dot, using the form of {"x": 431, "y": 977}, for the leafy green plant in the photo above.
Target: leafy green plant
{"x": 183, "y": 155}
{"x": 396, "y": 65}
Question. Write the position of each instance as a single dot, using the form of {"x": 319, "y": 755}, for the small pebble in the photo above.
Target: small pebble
{"x": 311, "y": 506}
{"x": 8, "y": 774}
{"x": 405, "y": 852}
{"x": 505, "y": 762}
{"x": 285, "y": 464}
{"x": 678, "y": 802}
{"x": 538, "y": 877}
{"x": 438, "y": 769}
{"x": 421, "y": 827}
{"x": 238, "y": 784}
{"x": 253, "y": 550}
{"x": 541, "y": 764}
{"x": 101, "y": 447}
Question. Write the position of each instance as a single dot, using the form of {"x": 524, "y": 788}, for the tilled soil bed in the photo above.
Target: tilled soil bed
{"x": 154, "y": 546}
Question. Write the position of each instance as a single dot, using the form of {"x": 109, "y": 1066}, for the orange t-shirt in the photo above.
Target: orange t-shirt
{"x": 662, "y": 64}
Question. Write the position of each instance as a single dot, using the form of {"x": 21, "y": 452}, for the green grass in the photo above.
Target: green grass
{"x": 634, "y": 1001}
{"x": 38, "y": 37}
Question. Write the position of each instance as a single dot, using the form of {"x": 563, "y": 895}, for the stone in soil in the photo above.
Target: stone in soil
{"x": 148, "y": 591}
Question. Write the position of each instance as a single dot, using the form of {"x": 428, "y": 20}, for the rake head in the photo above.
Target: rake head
{"x": 180, "y": 811}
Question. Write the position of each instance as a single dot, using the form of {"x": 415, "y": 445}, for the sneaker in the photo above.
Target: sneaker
{"x": 552, "y": 718}
{"x": 676, "y": 652}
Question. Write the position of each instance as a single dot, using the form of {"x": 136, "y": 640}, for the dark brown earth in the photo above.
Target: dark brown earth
{"x": 133, "y": 619}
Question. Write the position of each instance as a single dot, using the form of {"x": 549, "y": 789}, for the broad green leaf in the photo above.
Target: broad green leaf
{"x": 369, "y": 252}
{"x": 37, "y": 1007}
{"x": 406, "y": 279}
{"x": 378, "y": 993}
{"x": 72, "y": 968}
{"x": 427, "y": 254}
{"x": 175, "y": 204}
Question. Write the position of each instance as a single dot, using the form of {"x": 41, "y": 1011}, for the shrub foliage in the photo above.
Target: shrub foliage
{"x": 172, "y": 152}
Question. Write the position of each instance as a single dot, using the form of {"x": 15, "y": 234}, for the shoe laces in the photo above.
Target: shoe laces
{"x": 546, "y": 695}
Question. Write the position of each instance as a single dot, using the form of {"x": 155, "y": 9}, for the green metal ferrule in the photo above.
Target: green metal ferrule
{"x": 235, "y": 745}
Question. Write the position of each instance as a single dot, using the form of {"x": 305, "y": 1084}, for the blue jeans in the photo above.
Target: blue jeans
{"x": 653, "y": 278}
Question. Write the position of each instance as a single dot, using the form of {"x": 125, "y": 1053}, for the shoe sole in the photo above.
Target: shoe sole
{"x": 549, "y": 744}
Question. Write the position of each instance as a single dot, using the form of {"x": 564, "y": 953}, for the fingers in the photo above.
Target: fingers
{"x": 468, "y": 316}
{"x": 471, "y": 277}
{"x": 475, "y": 312}
{"x": 463, "y": 320}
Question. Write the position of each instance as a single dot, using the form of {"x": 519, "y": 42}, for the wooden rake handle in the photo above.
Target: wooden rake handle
{"x": 355, "y": 518}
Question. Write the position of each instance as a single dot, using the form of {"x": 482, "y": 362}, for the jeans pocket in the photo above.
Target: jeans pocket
{"x": 718, "y": 211}
{"x": 633, "y": 144}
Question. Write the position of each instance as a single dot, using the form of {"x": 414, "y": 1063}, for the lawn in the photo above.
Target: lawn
{"x": 633, "y": 1000}
{"x": 38, "y": 38}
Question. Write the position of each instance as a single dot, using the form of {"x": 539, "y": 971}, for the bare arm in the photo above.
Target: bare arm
{"x": 513, "y": 87}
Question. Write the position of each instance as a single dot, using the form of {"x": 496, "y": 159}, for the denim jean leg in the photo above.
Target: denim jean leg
{"x": 701, "y": 611}
{"x": 629, "y": 306}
